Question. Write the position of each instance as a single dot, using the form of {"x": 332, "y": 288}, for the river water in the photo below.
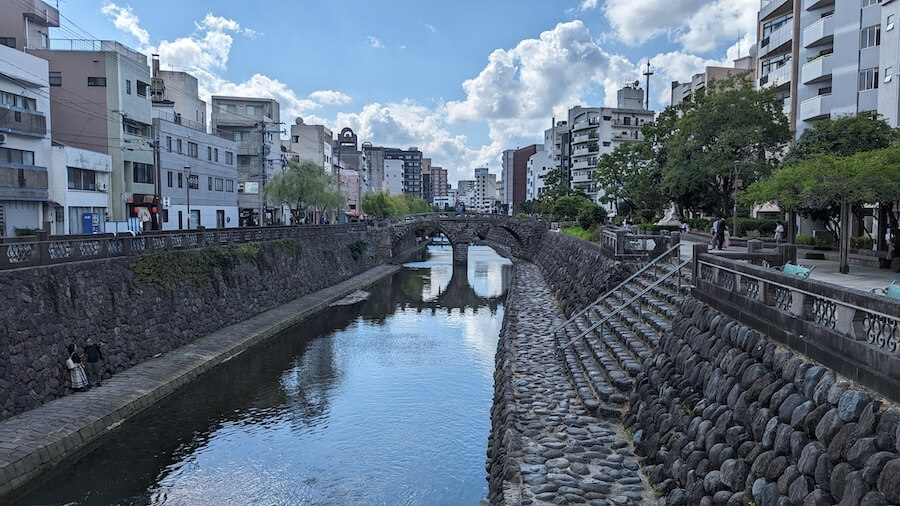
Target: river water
{"x": 382, "y": 401}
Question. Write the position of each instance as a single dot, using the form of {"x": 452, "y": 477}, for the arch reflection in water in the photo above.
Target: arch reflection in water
{"x": 386, "y": 401}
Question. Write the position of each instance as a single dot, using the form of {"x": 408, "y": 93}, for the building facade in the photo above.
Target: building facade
{"x": 745, "y": 67}
{"x": 254, "y": 124}
{"x": 539, "y": 165}
{"x": 393, "y": 177}
{"x": 309, "y": 142}
{"x": 25, "y": 112}
{"x": 439, "y": 185}
{"x": 506, "y": 165}
{"x": 485, "y": 192}
{"x": 412, "y": 168}
{"x": 79, "y": 185}
{"x": 375, "y": 162}
{"x": 517, "y": 182}
{"x": 26, "y": 24}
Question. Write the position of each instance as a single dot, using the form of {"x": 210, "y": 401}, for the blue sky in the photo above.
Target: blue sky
{"x": 460, "y": 80}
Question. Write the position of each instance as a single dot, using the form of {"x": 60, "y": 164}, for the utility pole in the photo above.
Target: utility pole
{"x": 262, "y": 171}
{"x": 647, "y": 74}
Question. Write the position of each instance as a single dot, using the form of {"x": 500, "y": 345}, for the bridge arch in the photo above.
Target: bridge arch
{"x": 462, "y": 232}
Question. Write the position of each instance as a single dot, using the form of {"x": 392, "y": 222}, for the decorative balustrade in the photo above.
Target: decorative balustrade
{"x": 619, "y": 244}
{"x": 35, "y": 251}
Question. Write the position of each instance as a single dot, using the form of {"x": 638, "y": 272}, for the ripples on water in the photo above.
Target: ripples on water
{"x": 386, "y": 401}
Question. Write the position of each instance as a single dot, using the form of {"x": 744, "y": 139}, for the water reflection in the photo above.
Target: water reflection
{"x": 385, "y": 401}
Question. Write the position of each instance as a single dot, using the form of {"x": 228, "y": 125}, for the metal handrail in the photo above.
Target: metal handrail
{"x": 620, "y": 285}
{"x": 627, "y": 303}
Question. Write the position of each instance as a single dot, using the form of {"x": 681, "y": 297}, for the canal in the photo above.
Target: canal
{"x": 383, "y": 399}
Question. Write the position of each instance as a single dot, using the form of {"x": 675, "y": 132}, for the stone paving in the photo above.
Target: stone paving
{"x": 36, "y": 441}
{"x": 563, "y": 454}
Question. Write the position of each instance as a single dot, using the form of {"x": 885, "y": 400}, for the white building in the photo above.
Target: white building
{"x": 506, "y": 163}
{"x": 309, "y": 142}
{"x": 595, "y": 131}
{"x": 24, "y": 143}
{"x": 393, "y": 177}
{"x": 80, "y": 185}
{"x": 485, "y": 200}
{"x": 539, "y": 164}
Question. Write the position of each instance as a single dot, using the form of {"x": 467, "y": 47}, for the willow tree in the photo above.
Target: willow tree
{"x": 304, "y": 185}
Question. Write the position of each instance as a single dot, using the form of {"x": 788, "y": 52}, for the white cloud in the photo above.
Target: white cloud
{"x": 698, "y": 25}
{"x": 587, "y": 5}
{"x": 330, "y": 97}
{"x": 124, "y": 19}
{"x": 375, "y": 42}
{"x": 431, "y": 28}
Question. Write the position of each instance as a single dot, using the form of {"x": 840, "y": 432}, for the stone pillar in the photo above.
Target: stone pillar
{"x": 754, "y": 246}
{"x": 460, "y": 253}
{"x": 788, "y": 253}
{"x": 699, "y": 249}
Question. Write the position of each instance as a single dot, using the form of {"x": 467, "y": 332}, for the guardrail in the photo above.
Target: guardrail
{"x": 33, "y": 251}
{"x": 619, "y": 244}
{"x": 854, "y": 332}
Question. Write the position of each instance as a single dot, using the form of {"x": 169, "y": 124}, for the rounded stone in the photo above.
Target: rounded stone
{"x": 851, "y": 404}
{"x": 874, "y": 466}
{"x": 889, "y": 481}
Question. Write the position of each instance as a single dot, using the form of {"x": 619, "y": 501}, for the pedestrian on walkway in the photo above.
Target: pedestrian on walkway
{"x": 779, "y": 233}
{"x": 719, "y": 231}
{"x": 76, "y": 370}
{"x": 93, "y": 362}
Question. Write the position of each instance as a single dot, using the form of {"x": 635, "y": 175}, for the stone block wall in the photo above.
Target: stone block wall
{"x": 46, "y": 308}
{"x": 577, "y": 271}
{"x": 722, "y": 415}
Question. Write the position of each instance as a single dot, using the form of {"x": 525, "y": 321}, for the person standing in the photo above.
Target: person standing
{"x": 779, "y": 233}
{"x": 76, "y": 370}
{"x": 719, "y": 238}
{"x": 93, "y": 362}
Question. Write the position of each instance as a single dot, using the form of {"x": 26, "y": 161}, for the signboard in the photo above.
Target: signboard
{"x": 90, "y": 223}
{"x": 251, "y": 187}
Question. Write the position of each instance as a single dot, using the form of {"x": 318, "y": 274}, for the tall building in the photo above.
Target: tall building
{"x": 517, "y": 180}
{"x": 25, "y": 112}
{"x": 412, "y": 168}
{"x": 506, "y": 164}
{"x": 254, "y": 124}
{"x": 744, "y": 67}
{"x": 557, "y": 140}
{"x": 596, "y": 131}
{"x": 346, "y": 150}
{"x": 439, "y": 184}
{"x": 539, "y": 165}
{"x": 100, "y": 101}
{"x": 485, "y": 191}
{"x": 375, "y": 160}
{"x": 465, "y": 193}
{"x": 427, "y": 181}
{"x": 198, "y": 170}
{"x": 393, "y": 177}
{"x": 309, "y": 142}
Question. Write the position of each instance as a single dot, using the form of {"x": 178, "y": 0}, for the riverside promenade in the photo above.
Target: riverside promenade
{"x": 37, "y": 441}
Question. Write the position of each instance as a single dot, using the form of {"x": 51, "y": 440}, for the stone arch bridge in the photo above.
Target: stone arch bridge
{"x": 519, "y": 235}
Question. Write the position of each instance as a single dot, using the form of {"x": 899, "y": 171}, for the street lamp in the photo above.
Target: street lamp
{"x": 187, "y": 172}
{"x": 734, "y": 188}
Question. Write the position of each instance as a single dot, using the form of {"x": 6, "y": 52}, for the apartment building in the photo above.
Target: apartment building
{"x": 744, "y": 67}
{"x": 485, "y": 191}
{"x": 465, "y": 193}
{"x": 517, "y": 183}
{"x": 427, "y": 185}
{"x": 26, "y": 23}
{"x": 412, "y": 168}
{"x": 78, "y": 185}
{"x": 506, "y": 168}
{"x": 375, "y": 162}
{"x": 539, "y": 165}
{"x": 439, "y": 184}
{"x": 309, "y": 142}
{"x": 595, "y": 131}
{"x": 557, "y": 140}
{"x": 254, "y": 124}
{"x": 393, "y": 177}
{"x": 25, "y": 112}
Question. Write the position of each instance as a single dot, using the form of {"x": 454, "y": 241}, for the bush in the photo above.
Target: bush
{"x": 766, "y": 228}
{"x": 805, "y": 240}
{"x": 862, "y": 242}
{"x": 659, "y": 228}
{"x": 577, "y": 232}
{"x": 590, "y": 216}
{"x": 699, "y": 224}
{"x": 25, "y": 231}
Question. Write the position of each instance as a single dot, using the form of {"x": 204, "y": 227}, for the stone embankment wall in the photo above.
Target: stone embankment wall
{"x": 577, "y": 271}
{"x": 148, "y": 304}
{"x": 723, "y": 415}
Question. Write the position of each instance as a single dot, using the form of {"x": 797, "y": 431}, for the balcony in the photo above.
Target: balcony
{"x": 41, "y": 13}
{"x": 28, "y": 182}
{"x": 22, "y": 122}
{"x": 779, "y": 39}
{"x": 818, "y": 70}
{"x": 770, "y": 7}
{"x": 818, "y": 107}
{"x": 581, "y": 125}
{"x": 815, "y": 4}
{"x": 819, "y": 33}
{"x": 777, "y": 78}
{"x": 621, "y": 124}
{"x": 625, "y": 137}
{"x": 585, "y": 137}
{"x": 582, "y": 176}
{"x": 588, "y": 149}
{"x": 583, "y": 164}
{"x": 87, "y": 45}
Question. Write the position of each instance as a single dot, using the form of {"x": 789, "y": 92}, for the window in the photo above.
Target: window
{"x": 20, "y": 101}
{"x": 209, "y": 152}
{"x": 229, "y": 158}
{"x": 169, "y": 143}
{"x": 143, "y": 172}
{"x": 142, "y": 89}
{"x": 252, "y": 110}
{"x": 866, "y": 3}
{"x": 8, "y": 41}
{"x": 128, "y": 87}
{"x": 169, "y": 178}
{"x": 240, "y": 135}
{"x": 868, "y": 79}
{"x": 227, "y": 108}
{"x": 774, "y": 63}
{"x": 194, "y": 182}
{"x": 17, "y": 156}
{"x": 890, "y": 22}
{"x": 80, "y": 179}
{"x": 776, "y": 23}
{"x": 888, "y": 74}
{"x": 192, "y": 149}
{"x": 55, "y": 78}
{"x": 180, "y": 180}
{"x": 209, "y": 183}
{"x": 216, "y": 154}
{"x": 220, "y": 183}
{"x": 229, "y": 185}
{"x": 96, "y": 81}
{"x": 870, "y": 37}
{"x": 178, "y": 146}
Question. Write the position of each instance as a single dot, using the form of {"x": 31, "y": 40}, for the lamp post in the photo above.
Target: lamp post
{"x": 734, "y": 188}
{"x": 187, "y": 172}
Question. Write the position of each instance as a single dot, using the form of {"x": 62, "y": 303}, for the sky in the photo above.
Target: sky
{"x": 461, "y": 80}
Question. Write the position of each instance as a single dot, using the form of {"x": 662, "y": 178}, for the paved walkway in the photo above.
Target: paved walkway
{"x": 36, "y": 441}
{"x": 560, "y": 452}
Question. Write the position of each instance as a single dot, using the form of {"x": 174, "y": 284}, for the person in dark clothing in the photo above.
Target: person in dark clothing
{"x": 719, "y": 238}
{"x": 76, "y": 370}
{"x": 93, "y": 362}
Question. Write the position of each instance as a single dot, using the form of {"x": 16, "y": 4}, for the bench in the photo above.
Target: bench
{"x": 797, "y": 270}
{"x": 892, "y": 291}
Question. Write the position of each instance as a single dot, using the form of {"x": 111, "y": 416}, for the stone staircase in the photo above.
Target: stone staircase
{"x": 603, "y": 364}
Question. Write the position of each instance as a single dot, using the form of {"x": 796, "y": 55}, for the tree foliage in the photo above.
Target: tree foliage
{"x": 630, "y": 178}
{"x": 698, "y": 141}
{"x": 843, "y": 136}
{"x": 383, "y": 205}
{"x": 302, "y": 185}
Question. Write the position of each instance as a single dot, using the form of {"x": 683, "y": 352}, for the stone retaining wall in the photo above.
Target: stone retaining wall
{"x": 577, "y": 271}
{"x": 723, "y": 415}
{"x": 46, "y": 308}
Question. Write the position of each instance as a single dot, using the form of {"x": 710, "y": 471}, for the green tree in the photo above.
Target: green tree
{"x": 302, "y": 185}
{"x": 630, "y": 178}
{"x": 698, "y": 141}
{"x": 383, "y": 205}
{"x": 569, "y": 207}
{"x": 843, "y": 136}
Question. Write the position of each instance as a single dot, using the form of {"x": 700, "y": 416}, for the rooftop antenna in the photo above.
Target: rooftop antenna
{"x": 648, "y": 73}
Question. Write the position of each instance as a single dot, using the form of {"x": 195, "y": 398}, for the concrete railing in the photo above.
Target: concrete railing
{"x": 619, "y": 244}
{"x": 855, "y": 333}
{"x": 33, "y": 251}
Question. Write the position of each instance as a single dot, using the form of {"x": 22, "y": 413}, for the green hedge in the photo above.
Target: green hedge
{"x": 659, "y": 228}
{"x": 863, "y": 242}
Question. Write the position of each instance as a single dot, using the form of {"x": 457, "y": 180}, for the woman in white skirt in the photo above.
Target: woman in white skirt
{"x": 76, "y": 370}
